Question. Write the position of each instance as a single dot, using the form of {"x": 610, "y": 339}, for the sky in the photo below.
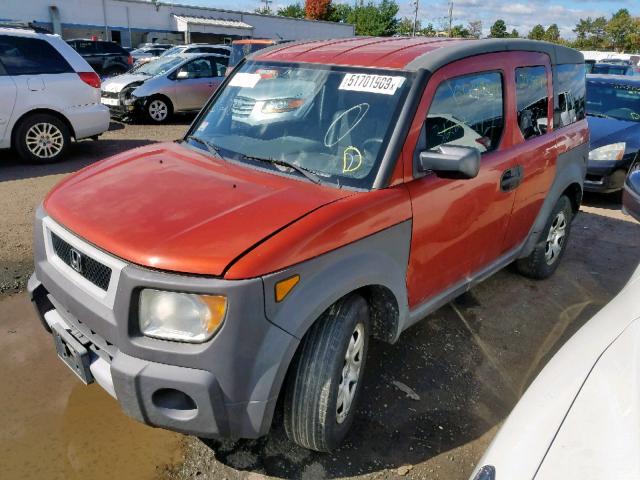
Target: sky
{"x": 519, "y": 14}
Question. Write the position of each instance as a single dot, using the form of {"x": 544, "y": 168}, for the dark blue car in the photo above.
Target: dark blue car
{"x": 613, "y": 110}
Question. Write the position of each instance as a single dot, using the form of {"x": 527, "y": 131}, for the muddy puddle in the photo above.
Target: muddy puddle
{"x": 52, "y": 426}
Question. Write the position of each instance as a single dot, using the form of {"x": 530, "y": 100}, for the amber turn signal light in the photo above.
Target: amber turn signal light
{"x": 283, "y": 287}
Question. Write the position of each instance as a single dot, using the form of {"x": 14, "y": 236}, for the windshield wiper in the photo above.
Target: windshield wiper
{"x": 213, "y": 150}
{"x": 308, "y": 174}
{"x": 599, "y": 115}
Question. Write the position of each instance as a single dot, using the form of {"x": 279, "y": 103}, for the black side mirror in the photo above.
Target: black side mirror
{"x": 451, "y": 161}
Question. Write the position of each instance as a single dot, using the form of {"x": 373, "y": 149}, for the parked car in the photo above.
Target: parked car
{"x": 107, "y": 58}
{"x": 199, "y": 48}
{"x": 613, "y": 107}
{"x": 147, "y": 53}
{"x": 580, "y": 416}
{"x": 631, "y": 195}
{"x": 612, "y": 68}
{"x": 252, "y": 261}
{"x": 163, "y": 46}
{"x": 176, "y": 84}
{"x": 48, "y": 96}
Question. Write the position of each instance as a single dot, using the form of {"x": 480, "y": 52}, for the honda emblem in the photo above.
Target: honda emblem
{"x": 76, "y": 260}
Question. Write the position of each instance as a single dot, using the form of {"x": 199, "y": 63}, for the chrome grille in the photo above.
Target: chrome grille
{"x": 242, "y": 106}
{"x": 87, "y": 267}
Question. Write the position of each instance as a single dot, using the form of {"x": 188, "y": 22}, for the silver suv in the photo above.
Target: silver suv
{"x": 49, "y": 95}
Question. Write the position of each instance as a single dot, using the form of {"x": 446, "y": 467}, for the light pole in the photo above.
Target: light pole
{"x": 415, "y": 18}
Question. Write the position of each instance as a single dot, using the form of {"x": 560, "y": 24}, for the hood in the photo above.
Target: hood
{"x": 604, "y": 131}
{"x": 116, "y": 84}
{"x": 169, "y": 207}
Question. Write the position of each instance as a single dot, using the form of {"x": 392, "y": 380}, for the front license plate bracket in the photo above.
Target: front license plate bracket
{"x": 72, "y": 353}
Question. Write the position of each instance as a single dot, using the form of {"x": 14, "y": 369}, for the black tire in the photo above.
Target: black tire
{"x": 152, "y": 112}
{"x": 46, "y": 128}
{"x": 311, "y": 417}
{"x": 546, "y": 256}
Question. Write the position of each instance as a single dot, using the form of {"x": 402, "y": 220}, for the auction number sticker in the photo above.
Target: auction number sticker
{"x": 245, "y": 80}
{"x": 364, "y": 82}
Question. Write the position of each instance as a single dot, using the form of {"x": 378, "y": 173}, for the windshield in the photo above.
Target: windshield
{"x": 610, "y": 69}
{"x": 241, "y": 50}
{"x": 613, "y": 100}
{"x": 332, "y": 121}
{"x": 173, "y": 51}
{"x": 158, "y": 67}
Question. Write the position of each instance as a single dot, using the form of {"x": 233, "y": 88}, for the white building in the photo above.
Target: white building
{"x": 131, "y": 22}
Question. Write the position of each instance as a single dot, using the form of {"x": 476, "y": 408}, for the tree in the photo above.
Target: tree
{"x": 428, "y": 31}
{"x": 460, "y": 32}
{"x": 266, "y": 10}
{"x": 537, "y": 33}
{"x": 475, "y": 28}
{"x": 338, "y": 12}
{"x": 375, "y": 19}
{"x": 405, "y": 26}
{"x": 552, "y": 34}
{"x": 619, "y": 28}
{"x": 498, "y": 29}
{"x": 514, "y": 33}
{"x": 294, "y": 10}
{"x": 317, "y": 9}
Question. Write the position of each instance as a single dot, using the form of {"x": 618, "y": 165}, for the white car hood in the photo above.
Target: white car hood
{"x": 600, "y": 438}
{"x": 116, "y": 84}
{"x": 520, "y": 446}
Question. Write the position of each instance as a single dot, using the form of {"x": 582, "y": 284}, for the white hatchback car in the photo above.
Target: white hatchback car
{"x": 49, "y": 95}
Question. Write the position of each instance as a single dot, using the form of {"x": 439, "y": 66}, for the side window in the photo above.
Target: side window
{"x": 110, "y": 47}
{"x": 532, "y": 101}
{"x": 30, "y": 56}
{"x": 570, "y": 92}
{"x": 85, "y": 47}
{"x": 467, "y": 111}
{"x": 199, "y": 68}
{"x": 220, "y": 66}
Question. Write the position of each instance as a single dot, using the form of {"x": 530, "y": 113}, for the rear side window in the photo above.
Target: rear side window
{"x": 532, "y": 101}
{"x": 84, "y": 47}
{"x": 110, "y": 47}
{"x": 30, "y": 56}
{"x": 467, "y": 111}
{"x": 570, "y": 94}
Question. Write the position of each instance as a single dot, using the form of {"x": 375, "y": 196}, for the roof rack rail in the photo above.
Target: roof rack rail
{"x": 26, "y": 26}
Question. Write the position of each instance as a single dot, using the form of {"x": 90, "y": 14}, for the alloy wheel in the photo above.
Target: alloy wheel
{"x": 350, "y": 373}
{"x": 44, "y": 140}
{"x": 555, "y": 238}
{"x": 158, "y": 110}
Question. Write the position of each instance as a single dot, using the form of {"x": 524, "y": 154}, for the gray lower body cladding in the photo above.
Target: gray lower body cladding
{"x": 232, "y": 382}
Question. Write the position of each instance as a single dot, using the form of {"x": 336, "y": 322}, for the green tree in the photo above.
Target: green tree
{"x": 338, "y": 12}
{"x": 514, "y": 33}
{"x": 376, "y": 19}
{"x": 552, "y": 34}
{"x": 475, "y": 28}
{"x": 536, "y": 33}
{"x": 295, "y": 10}
{"x": 428, "y": 31}
{"x": 405, "y": 26}
{"x": 264, "y": 11}
{"x": 459, "y": 31}
{"x": 498, "y": 29}
{"x": 619, "y": 28}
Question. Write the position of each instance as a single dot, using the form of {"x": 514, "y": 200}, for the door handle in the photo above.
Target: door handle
{"x": 511, "y": 178}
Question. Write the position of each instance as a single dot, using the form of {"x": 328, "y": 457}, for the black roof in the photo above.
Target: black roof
{"x": 616, "y": 79}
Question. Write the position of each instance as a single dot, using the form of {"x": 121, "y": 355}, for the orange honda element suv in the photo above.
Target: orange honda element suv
{"x": 329, "y": 192}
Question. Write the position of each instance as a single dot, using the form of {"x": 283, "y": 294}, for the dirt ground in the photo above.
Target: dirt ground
{"x": 467, "y": 364}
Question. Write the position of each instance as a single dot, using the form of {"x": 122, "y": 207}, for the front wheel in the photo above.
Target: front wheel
{"x": 545, "y": 257}
{"x": 326, "y": 376}
{"x": 158, "y": 110}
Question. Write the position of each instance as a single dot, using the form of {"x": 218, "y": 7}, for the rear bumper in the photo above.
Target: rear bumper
{"x": 89, "y": 120}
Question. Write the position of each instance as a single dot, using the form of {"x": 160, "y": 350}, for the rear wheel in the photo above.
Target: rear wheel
{"x": 158, "y": 110}
{"x": 42, "y": 138}
{"x": 326, "y": 376}
{"x": 545, "y": 257}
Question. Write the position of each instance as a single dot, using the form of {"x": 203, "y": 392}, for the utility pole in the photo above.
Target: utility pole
{"x": 450, "y": 17}
{"x": 266, "y": 7}
{"x": 415, "y": 18}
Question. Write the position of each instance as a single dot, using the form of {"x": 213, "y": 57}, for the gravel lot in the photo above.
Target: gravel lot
{"x": 466, "y": 365}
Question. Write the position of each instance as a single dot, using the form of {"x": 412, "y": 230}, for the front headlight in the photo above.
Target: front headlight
{"x": 613, "y": 151}
{"x": 183, "y": 317}
{"x": 282, "y": 105}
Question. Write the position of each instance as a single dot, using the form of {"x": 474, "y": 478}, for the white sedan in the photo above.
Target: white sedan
{"x": 580, "y": 418}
